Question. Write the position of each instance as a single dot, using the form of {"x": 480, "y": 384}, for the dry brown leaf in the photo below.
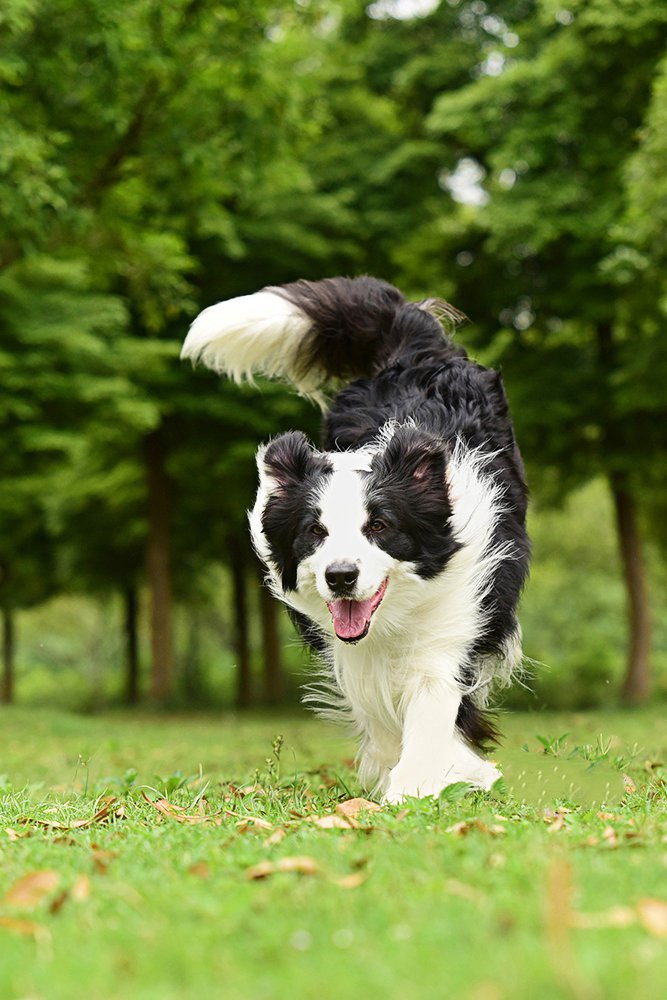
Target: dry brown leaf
{"x": 200, "y": 870}
{"x": 251, "y": 790}
{"x": 275, "y": 838}
{"x": 81, "y": 889}
{"x": 464, "y": 827}
{"x": 17, "y": 834}
{"x": 30, "y": 890}
{"x": 653, "y": 915}
{"x": 58, "y": 901}
{"x": 331, "y": 822}
{"x": 252, "y": 823}
{"x": 100, "y": 816}
{"x": 262, "y": 870}
{"x": 352, "y": 881}
{"x": 351, "y": 808}
{"x": 617, "y": 916}
{"x": 628, "y": 784}
{"x": 102, "y": 859}
{"x": 557, "y": 824}
{"x": 178, "y": 813}
{"x": 610, "y": 836}
{"x": 26, "y": 927}
{"x": 301, "y": 864}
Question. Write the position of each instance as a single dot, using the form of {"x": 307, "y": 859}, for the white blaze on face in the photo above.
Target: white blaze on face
{"x": 344, "y": 515}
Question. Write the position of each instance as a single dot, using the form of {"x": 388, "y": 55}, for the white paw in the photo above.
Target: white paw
{"x": 475, "y": 771}
{"x": 482, "y": 774}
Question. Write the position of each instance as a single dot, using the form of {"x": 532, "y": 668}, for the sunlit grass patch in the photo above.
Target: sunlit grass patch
{"x": 198, "y": 856}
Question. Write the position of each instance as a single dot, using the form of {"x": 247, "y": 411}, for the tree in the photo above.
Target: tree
{"x": 553, "y": 124}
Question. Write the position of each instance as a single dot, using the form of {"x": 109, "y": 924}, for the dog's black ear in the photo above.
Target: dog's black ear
{"x": 288, "y": 460}
{"x": 416, "y": 457}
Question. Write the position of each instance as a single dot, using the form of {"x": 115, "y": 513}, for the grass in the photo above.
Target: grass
{"x": 555, "y": 886}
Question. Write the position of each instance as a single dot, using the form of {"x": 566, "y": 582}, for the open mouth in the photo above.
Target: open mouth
{"x": 352, "y": 619}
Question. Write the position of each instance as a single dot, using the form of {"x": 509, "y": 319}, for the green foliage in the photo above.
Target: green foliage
{"x": 156, "y": 157}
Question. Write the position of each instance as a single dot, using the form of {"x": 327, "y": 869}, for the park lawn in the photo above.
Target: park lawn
{"x": 554, "y": 886}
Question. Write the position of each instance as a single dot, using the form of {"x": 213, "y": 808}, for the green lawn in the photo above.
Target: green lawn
{"x": 481, "y": 896}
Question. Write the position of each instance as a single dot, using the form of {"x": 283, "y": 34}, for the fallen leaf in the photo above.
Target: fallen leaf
{"x": 610, "y": 835}
{"x": 617, "y": 916}
{"x": 58, "y": 901}
{"x": 178, "y": 813}
{"x": 81, "y": 889}
{"x": 351, "y": 808}
{"x": 557, "y": 824}
{"x": 653, "y": 915}
{"x": 331, "y": 822}
{"x": 262, "y": 870}
{"x": 628, "y": 784}
{"x": 100, "y": 816}
{"x": 301, "y": 864}
{"x": 17, "y": 834}
{"x": 26, "y": 927}
{"x": 465, "y": 826}
{"x": 275, "y": 838}
{"x": 31, "y": 889}
{"x": 253, "y": 823}
{"x": 200, "y": 870}
{"x": 102, "y": 859}
{"x": 352, "y": 881}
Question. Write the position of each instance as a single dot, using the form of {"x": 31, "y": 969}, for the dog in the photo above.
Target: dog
{"x": 400, "y": 548}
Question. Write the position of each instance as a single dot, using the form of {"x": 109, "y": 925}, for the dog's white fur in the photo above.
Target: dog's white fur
{"x": 400, "y": 686}
{"x": 257, "y": 334}
{"x": 400, "y": 695}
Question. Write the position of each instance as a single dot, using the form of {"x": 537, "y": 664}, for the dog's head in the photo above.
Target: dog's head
{"x": 339, "y": 530}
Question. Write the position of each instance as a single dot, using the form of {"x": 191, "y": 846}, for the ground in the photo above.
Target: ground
{"x": 554, "y": 885}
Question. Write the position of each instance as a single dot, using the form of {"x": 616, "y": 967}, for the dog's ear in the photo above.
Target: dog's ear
{"x": 287, "y": 461}
{"x": 416, "y": 457}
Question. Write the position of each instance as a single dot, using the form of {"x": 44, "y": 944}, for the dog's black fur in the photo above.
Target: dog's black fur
{"x": 411, "y": 372}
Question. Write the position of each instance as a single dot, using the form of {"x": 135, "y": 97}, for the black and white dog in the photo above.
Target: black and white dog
{"x": 401, "y": 548}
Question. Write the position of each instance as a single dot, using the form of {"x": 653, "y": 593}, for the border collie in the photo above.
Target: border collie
{"x": 400, "y": 548}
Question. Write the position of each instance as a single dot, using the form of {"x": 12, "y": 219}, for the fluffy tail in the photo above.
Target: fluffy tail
{"x": 310, "y": 331}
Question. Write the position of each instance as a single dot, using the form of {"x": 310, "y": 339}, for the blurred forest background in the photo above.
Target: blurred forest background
{"x": 160, "y": 155}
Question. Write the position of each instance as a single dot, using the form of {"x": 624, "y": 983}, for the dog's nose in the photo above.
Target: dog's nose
{"x": 341, "y": 576}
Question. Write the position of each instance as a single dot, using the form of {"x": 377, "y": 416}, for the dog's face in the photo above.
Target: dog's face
{"x": 339, "y": 530}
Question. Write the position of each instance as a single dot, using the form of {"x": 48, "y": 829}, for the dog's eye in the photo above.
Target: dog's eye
{"x": 319, "y": 530}
{"x": 376, "y": 525}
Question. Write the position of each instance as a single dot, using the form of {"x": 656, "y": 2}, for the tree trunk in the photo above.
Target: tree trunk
{"x": 637, "y": 684}
{"x": 158, "y": 569}
{"x": 192, "y": 679}
{"x": 241, "y": 631}
{"x": 273, "y": 673}
{"x": 131, "y": 645}
{"x": 7, "y": 690}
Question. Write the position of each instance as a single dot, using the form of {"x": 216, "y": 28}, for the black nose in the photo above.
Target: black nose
{"x": 341, "y": 577}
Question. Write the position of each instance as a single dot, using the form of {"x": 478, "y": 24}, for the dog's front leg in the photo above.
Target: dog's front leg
{"x": 433, "y": 754}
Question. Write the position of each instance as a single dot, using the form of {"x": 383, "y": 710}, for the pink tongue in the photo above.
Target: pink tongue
{"x": 350, "y": 617}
